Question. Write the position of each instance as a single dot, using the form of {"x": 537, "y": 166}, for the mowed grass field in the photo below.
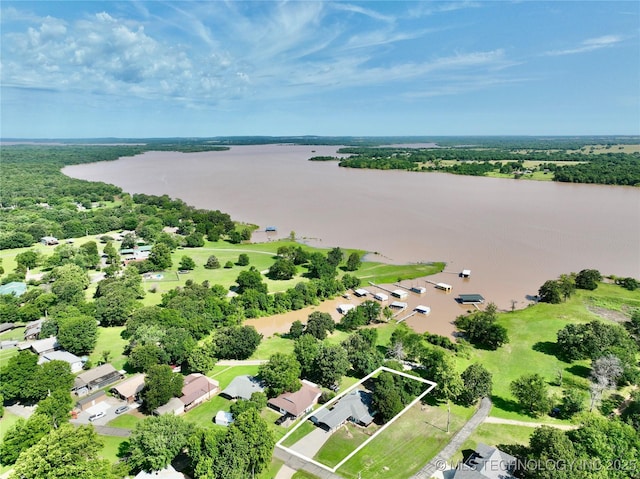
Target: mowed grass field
{"x": 532, "y": 346}
{"x": 409, "y": 443}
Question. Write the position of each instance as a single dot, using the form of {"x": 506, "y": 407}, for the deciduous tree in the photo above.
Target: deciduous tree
{"x": 281, "y": 374}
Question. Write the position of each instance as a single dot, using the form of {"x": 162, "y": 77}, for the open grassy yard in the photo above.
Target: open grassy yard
{"x": 494, "y": 435}
{"x": 409, "y": 443}
{"x": 6, "y": 354}
{"x": 342, "y": 442}
{"x": 125, "y": 421}
{"x": 110, "y": 339}
{"x": 111, "y": 448}
{"x": 532, "y": 348}
{"x": 389, "y": 273}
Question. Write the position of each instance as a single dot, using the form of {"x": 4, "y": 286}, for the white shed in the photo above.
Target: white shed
{"x": 381, "y": 297}
{"x": 418, "y": 289}
{"x": 422, "y": 309}
{"x": 361, "y": 292}
{"x": 466, "y": 273}
{"x": 223, "y": 418}
{"x": 444, "y": 287}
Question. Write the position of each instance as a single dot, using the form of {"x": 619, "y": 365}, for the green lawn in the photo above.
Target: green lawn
{"x": 225, "y": 374}
{"x": 8, "y": 420}
{"x": 304, "y": 475}
{"x": 389, "y": 273}
{"x": 533, "y": 335}
{"x": 6, "y": 354}
{"x": 109, "y": 339}
{"x": 342, "y": 442}
{"x": 409, "y": 443}
{"x": 125, "y": 421}
{"x": 272, "y": 471}
{"x": 111, "y": 448}
{"x": 272, "y": 345}
{"x": 494, "y": 435}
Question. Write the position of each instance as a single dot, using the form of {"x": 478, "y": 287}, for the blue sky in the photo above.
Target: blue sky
{"x": 159, "y": 69}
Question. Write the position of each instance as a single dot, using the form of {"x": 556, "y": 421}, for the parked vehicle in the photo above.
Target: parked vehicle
{"x": 122, "y": 409}
{"x": 96, "y": 416}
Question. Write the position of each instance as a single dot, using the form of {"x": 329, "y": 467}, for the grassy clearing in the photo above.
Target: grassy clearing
{"x": 389, "y": 273}
{"x": 405, "y": 446}
{"x": 110, "y": 339}
{"x": 304, "y": 429}
{"x": 342, "y": 442}
{"x": 5, "y": 355}
{"x": 272, "y": 470}
{"x": 8, "y": 420}
{"x": 225, "y": 374}
{"x": 125, "y": 421}
{"x": 304, "y": 475}
{"x": 494, "y": 434}
{"x": 533, "y": 335}
{"x": 272, "y": 345}
{"x": 111, "y": 447}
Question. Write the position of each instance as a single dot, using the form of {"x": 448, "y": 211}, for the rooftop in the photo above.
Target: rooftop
{"x": 298, "y": 402}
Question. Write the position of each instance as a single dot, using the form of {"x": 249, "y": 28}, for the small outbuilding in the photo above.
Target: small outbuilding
{"x": 466, "y": 273}
{"x": 7, "y": 327}
{"x": 381, "y": 297}
{"x": 32, "y": 329}
{"x": 418, "y": 289}
{"x": 44, "y": 346}
{"x": 444, "y": 287}
{"x": 271, "y": 229}
{"x": 360, "y": 292}
{"x": 223, "y": 418}
{"x": 398, "y": 305}
{"x": 422, "y": 309}
{"x": 399, "y": 293}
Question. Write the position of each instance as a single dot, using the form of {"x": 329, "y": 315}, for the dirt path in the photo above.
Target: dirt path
{"x": 513, "y": 422}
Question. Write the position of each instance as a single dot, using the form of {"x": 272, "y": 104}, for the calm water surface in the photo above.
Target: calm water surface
{"x": 512, "y": 234}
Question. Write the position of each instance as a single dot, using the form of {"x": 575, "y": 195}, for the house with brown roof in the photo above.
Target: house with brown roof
{"x": 129, "y": 389}
{"x": 197, "y": 389}
{"x": 297, "y": 403}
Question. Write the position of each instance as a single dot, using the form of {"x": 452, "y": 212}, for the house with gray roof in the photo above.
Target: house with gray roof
{"x": 242, "y": 387}
{"x": 174, "y": 406}
{"x": 32, "y": 329}
{"x": 44, "y": 346}
{"x": 95, "y": 378}
{"x": 355, "y": 407}
{"x": 487, "y": 462}
{"x": 74, "y": 361}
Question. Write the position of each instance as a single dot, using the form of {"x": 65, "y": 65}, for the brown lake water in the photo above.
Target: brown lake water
{"x": 512, "y": 234}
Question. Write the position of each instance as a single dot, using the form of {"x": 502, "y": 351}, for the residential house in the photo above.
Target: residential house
{"x": 129, "y": 389}
{"x": 44, "y": 346}
{"x": 74, "y": 361}
{"x": 174, "y": 406}
{"x": 297, "y": 403}
{"x": 242, "y": 387}
{"x": 95, "y": 378}
{"x": 32, "y": 329}
{"x": 355, "y": 407}
{"x": 197, "y": 389}
{"x": 487, "y": 462}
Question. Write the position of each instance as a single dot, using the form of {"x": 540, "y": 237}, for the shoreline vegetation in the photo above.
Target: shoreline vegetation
{"x": 610, "y": 164}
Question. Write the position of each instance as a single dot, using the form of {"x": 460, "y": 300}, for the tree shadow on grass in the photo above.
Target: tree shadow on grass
{"x": 579, "y": 370}
{"x": 508, "y": 405}
{"x": 123, "y": 449}
{"x": 546, "y": 347}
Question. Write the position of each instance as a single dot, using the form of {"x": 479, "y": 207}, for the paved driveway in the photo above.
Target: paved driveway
{"x": 109, "y": 406}
{"x": 310, "y": 444}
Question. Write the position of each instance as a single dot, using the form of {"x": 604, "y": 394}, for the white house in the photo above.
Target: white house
{"x": 74, "y": 361}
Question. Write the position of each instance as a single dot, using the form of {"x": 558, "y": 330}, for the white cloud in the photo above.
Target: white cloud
{"x": 588, "y": 45}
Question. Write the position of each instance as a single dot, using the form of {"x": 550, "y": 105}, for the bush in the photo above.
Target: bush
{"x": 212, "y": 263}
